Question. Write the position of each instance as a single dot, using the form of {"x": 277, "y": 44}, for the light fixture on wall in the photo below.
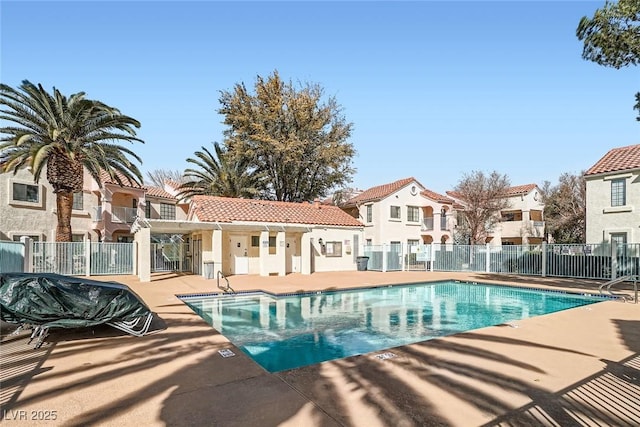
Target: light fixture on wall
{"x": 320, "y": 241}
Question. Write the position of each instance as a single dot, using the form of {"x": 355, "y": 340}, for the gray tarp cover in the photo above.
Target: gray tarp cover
{"x": 54, "y": 300}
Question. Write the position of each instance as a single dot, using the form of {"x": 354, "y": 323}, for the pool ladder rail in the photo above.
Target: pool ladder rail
{"x": 226, "y": 288}
{"x": 630, "y": 278}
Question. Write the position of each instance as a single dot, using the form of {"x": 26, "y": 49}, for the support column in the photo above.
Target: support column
{"x": 306, "y": 254}
{"x": 142, "y": 238}
{"x": 216, "y": 251}
{"x": 264, "y": 253}
{"x": 281, "y": 252}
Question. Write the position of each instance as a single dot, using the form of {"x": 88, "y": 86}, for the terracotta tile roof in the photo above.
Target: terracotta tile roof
{"x": 520, "y": 189}
{"x": 380, "y": 192}
{"x": 159, "y": 192}
{"x": 511, "y": 191}
{"x": 172, "y": 184}
{"x": 227, "y": 209}
{"x": 106, "y": 179}
{"x": 437, "y": 197}
{"x": 617, "y": 159}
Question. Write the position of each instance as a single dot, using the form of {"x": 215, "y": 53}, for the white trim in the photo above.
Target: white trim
{"x": 617, "y": 209}
{"x": 618, "y": 176}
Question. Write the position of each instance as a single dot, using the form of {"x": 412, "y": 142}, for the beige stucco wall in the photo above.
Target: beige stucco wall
{"x": 602, "y": 219}
{"x": 383, "y": 229}
{"x": 304, "y": 259}
{"x": 24, "y": 218}
{"x": 520, "y": 229}
{"x": 322, "y": 261}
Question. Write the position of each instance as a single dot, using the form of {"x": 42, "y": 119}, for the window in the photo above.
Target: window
{"x": 395, "y": 212}
{"x": 255, "y": 241}
{"x": 618, "y": 196}
{"x": 413, "y": 214}
{"x": 167, "y": 211}
{"x": 369, "y": 213}
{"x": 26, "y": 193}
{"x": 78, "y": 201}
{"x": 333, "y": 249}
{"x": 77, "y": 237}
{"x": 368, "y": 242}
{"x": 147, "y": 210}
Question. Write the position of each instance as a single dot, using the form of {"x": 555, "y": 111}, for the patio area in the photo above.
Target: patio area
{"x": 576, "y": 367}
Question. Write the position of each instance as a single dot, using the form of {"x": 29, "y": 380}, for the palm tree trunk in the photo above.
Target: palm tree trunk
{"x": 64, "y": 204}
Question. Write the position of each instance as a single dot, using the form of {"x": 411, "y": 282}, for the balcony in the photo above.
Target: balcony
{"x": 522, "y": 228}
{"x": 427, "y": 224}
{"x": 119, "y": 214}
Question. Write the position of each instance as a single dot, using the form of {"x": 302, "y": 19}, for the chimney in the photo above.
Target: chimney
{"x": 316, "y": 203}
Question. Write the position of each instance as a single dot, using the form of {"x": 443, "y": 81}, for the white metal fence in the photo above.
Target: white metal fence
{"x": 11, "y": 257}
{"x": 592, "y": 261}
{"x": 83, "y": 258}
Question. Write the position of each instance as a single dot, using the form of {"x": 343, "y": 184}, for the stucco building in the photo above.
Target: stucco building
{"x": 612, "y": 194}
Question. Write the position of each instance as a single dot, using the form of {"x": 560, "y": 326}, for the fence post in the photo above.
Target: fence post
{"x": 614, "y": 259}
{"x": 87, "y": 257}
{"x": 432, "y": 256}
{"x": 487, "y": 262}
{"x": 544, "y": 259}
{"x": 27, "y": 250}
{"x": 384, "y": 257}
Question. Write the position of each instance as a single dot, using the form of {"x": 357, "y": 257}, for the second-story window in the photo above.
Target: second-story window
{"x": 413, "y": 214}
{"x": 618, "y": 192}
{"x": 26, "y": 193}
{"x": 369, "y": 213}
{"x": 395, "y": 212}
{"x": 78, "y": 201}
{"x": 167, "y": 211}
{"x": 147, "y": 209}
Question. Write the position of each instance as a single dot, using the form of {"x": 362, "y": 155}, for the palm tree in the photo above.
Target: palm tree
{"x": 220, "y": 175}
{"x": 67, "y": 135}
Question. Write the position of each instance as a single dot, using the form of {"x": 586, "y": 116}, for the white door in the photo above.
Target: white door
{"x": 292, "y": 256}
{"x": 238, "y": 254}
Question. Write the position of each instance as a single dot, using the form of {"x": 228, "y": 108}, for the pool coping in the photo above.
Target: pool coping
{"x": 182, "y": 297}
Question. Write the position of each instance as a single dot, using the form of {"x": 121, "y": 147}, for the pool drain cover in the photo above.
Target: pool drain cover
{"x": 385, "y": 356}
{"x": 226, "y": 352}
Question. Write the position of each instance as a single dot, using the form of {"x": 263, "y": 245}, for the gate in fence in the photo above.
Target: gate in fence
{"x": 170, "y": 256}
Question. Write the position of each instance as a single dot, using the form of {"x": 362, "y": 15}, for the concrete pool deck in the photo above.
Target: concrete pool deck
{"x": 576, "y": 367}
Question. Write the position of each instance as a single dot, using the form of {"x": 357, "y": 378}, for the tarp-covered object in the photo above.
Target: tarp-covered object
{"x": 57, "y": 301}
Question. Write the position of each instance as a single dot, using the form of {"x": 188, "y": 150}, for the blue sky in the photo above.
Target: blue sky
{"x": 434, "y": 89}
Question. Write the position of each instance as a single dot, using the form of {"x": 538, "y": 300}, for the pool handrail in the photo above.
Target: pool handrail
{"x": 631, "y": 277}
{"x": 227, "y": 288}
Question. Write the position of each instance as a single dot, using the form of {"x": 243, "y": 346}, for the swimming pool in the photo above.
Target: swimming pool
{"x": 289, "y": 331}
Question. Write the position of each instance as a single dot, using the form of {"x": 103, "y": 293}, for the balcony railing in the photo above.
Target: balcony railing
{"x": 119, "y": 214}
{"x": 427, "y": 224}
{"x": 123, "y": 215}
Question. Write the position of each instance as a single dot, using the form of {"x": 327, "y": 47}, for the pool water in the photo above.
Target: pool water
{"x": 285, "y": 332}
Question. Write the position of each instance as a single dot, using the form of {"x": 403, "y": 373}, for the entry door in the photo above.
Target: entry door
{"x": 238, "y": 253}
{"x": 292, "y": 256}
{"x": 197, "y": 256}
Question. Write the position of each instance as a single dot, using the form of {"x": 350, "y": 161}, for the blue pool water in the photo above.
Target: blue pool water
{"x": 285, "y": 332}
